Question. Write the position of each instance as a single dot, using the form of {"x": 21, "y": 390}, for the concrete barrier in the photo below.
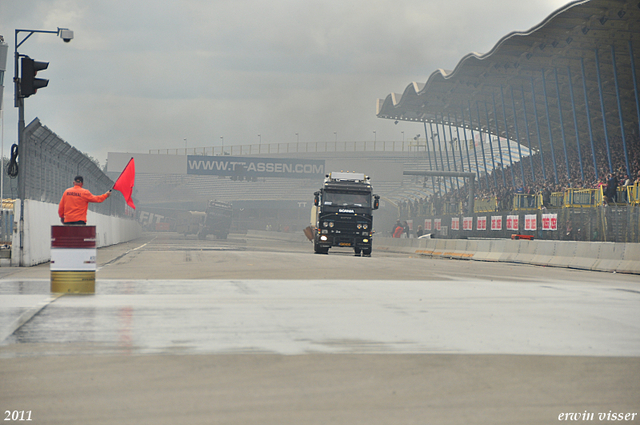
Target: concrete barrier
{"x": 483, "y": 250}
{"x": 631, "y": 260}
{"x": 565, "y": 253}
{"x": 585, "y": 256}
{"x": 610, "y": 256}
{"x": 526, "y": 251}
{"x": 40, "y": 216}
{"x": 601, "y": 256}
{"x": 544, "y": 253}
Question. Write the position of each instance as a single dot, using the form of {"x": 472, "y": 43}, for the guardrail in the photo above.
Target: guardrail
{"x": 295, "y": 147}
{"x": 526, "y": 202}
{"x": 486, "y": 204}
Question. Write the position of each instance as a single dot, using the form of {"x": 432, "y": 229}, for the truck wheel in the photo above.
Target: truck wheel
{"x": 366, "y": 252}
{"x": 357, "y": 251}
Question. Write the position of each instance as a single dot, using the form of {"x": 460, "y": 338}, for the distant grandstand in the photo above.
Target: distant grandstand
{"x": 568, "y": 90}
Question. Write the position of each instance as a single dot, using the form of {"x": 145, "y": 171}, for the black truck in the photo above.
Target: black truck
{"x": 343, "y": 211}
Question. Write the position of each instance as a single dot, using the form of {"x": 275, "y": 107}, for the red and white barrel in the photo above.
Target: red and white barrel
{"x": 73, "y": 259}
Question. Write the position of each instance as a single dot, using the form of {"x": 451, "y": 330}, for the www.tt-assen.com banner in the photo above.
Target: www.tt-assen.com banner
{"x": 254, "y": 167}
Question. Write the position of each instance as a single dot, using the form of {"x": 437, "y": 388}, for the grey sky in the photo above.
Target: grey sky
{"x": 143, "y": 75}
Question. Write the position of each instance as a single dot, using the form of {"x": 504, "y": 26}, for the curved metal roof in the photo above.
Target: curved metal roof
{"x": 547, "y": 63}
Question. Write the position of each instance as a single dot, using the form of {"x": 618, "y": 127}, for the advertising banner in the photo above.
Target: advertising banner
{"x": 242, "y": 166}
{"x": 455, "y": 223}
{"x": 427, "y": 224}
{"x": 481, "y": 223}
{"x": 467, "y": 223}
{"x": 496, "y": 222}
{"x": 549, "y": 221}
{"x": 437, "y": 223}
{"x": 530, "y": 222}
{"x": 513, "y": 222}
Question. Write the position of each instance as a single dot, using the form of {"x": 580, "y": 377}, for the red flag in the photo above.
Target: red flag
{"x": 125, "y": 182}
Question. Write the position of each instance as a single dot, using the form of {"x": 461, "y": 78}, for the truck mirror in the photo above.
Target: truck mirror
{"x": 376, "y": 202}
{"x": 316, "y": 198}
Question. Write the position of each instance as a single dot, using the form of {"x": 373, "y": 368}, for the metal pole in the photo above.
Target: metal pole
{"x": 435, "y": 156}
{"x": 446, "y": 150}
{"x": 515, "y": 121}
{"x": 575, "y": 122}
{"x": 441, "y": 160}
{"x": 495, "y": 117}
{"x": 624, "y": 140}
{"x": 426, "y": 138}
{"x": 493, "y": 161}
{"x": 564, "y": 140}
{"x": 604, "y": 117}
{"x": 506, "y": 130}
{"x": 453, "y": 153}
{"x": 586, "y": 104}
{"x": 484, "y": 158}
{"x": 535, "y": 112}
{"x": 635, "y": 82}
{"x": 526, "y": 128}
{"x": 475, "y": 151}
{"x": 455, "y": 117}
{"x": 546, "y": 105}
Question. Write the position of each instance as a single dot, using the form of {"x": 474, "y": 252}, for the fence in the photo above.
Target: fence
{"x": 295, "y": 147}
{"x": 50, "y": 164}
{"x": 605, "y": 224}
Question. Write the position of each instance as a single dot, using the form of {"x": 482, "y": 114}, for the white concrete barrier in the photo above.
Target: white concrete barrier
{"x": 565, "y": 253}
{"x": 40, "y": 216}
{"x": 545, "y": 251}
{"x": 602, "y": 256}
{"x": 631, "y": 260}
{"x": 610, "y": 256}
{"x": 585, "y": 256}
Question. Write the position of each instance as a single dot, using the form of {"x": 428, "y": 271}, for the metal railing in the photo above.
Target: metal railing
{"x": 525, "y": 202}
{"x": 581, "y": 198}
{"x": 51, "y": 164}
{"x": 486, "y": 204}
{"x": 296, "y": 147}
{"x": 6, "y": 223}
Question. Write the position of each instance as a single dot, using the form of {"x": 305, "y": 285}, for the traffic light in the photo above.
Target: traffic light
{"x": 29, "y": 84}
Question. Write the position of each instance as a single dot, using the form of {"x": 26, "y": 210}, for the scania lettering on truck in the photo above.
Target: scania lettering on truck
{"x": 342, "y": 215}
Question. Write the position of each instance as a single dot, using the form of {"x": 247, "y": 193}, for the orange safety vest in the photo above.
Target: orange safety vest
{"x": 75, "y": 202}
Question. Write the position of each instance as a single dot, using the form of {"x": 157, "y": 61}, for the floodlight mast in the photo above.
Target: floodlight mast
{"x": 67, "y": 35}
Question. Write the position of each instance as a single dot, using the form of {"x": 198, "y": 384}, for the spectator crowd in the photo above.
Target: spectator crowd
{"x": 493, "y": 186}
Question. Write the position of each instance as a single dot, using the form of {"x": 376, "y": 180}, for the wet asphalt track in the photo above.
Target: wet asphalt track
{"x": 257, "y": 304}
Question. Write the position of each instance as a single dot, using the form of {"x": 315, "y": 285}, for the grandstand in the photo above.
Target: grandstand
{"x": 568, "y": 90}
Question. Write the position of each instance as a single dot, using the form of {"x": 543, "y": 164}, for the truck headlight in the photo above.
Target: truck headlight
{"x": 331, "y": 224}
{"x": 325, "y": 224}
{"x": 359, "y": 226}
{"x": 365, "y": 226}
{"x": 323, "y": 238}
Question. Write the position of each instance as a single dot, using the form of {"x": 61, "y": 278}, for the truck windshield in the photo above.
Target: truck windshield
{"x": 347, "y": 198}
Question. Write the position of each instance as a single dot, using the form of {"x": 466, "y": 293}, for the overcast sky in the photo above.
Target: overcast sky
{"x": 143, "y": 74}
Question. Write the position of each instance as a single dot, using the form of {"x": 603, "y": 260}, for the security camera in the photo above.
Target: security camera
{"x": 66, "y": 35}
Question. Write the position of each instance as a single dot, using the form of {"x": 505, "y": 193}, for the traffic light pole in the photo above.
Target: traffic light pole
{"x": 19, "y": 103}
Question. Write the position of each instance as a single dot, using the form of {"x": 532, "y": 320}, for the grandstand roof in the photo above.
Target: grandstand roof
{"x": 582, "y": 32}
